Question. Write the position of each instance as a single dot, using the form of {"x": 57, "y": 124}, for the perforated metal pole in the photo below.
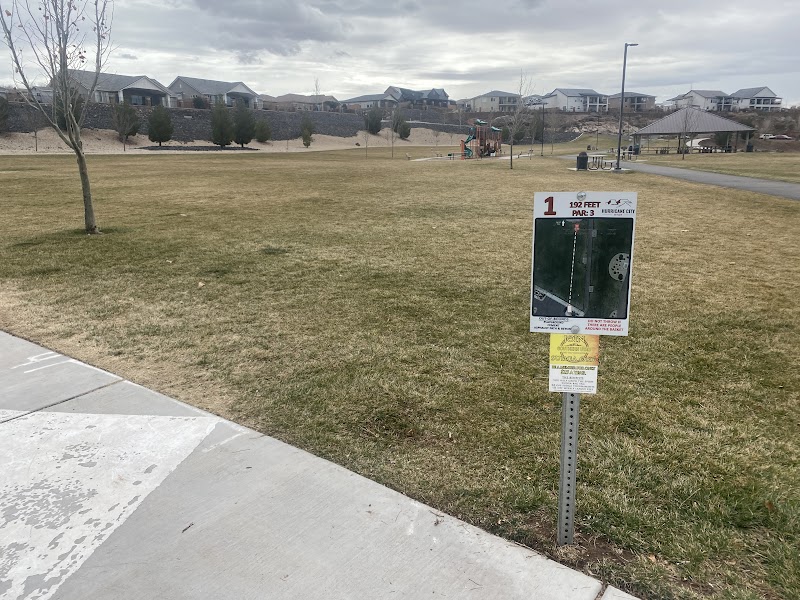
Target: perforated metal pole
{"x": 569, "y": 462}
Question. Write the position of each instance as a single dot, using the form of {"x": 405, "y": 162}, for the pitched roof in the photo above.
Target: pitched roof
{"x": 575, "y": 92}
{"x": 498, "y": 93}
{"x": 407, "y": 95}
{"x": 632, "y": 95}
{"x": 691, "y": 120}
{"x": 210, "y": 86}
{"x": 707, "y": 93}
{"x": 312, "y": 99}
{"x": 366, "y": 98}
{"x": 108, "y": 82}
{"x": 754, "y": 92}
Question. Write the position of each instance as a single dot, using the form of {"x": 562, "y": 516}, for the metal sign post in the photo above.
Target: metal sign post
{"x": 569, "y": 463}
{"x": 581, "y": 263}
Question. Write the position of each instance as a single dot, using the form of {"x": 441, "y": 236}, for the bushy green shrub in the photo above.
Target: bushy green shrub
{"x": 307, "y": 131}
{"x": 372, "y": 120}
{"x": 3, "y": 115}
{"x": 221, "y": 126}
{"x": 244, "y": 124}
{"x": 159, "y": 125}
{"x": 262, "y": 131}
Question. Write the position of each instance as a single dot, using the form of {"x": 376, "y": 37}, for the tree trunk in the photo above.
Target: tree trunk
{"x": 88, "y": 208}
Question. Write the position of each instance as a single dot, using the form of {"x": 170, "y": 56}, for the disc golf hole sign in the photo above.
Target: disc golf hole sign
{"x": 582, "y": 260}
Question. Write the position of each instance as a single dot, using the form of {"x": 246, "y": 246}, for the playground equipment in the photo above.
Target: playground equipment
{"x": 483, "y": 140}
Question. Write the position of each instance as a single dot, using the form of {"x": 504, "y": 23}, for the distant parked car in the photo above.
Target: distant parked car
{"x": 781, "y": 137}
{"x": 766, "y": 136}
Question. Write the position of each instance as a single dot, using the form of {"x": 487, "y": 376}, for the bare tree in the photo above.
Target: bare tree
{"x": 51, "y": 39}
{"x": 688, "y": 123}
{"x": 517, "y": 122}
{"x": 317, "y": 94}
{"x": 35, "y": 123}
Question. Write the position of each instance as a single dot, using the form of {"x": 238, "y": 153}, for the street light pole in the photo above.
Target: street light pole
{"x": 542, "y": 128}
{"x": 622, "y": 104}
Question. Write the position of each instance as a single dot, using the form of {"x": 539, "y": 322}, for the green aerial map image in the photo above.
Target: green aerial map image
{"x": 582, "y": 267}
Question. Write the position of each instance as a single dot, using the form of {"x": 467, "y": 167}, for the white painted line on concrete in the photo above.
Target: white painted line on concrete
{"x": 63, "y": 362}
{"x": 613, "y": 593}
{"x": 68, "y": 480}
{"x": 47, "y": 356}
{"x": 31, "y": 360}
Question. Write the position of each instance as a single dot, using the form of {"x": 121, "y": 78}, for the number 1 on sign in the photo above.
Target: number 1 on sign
{"x": 549, "y": 212}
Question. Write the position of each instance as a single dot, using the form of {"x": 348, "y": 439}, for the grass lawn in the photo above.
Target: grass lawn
{"x": 374, "y": 312}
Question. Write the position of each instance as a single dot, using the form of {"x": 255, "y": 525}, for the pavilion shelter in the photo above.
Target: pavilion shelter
{"x": 687, "y": 123}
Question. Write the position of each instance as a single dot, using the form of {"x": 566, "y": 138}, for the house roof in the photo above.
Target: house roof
{"x": 109, "y": 82}
{"x": 407, "y": 95}
{"x": 267, "y": 98}
{"x": 312, "y": 99}
{"x": 498, "y": 93}
{"x": 574, "y": 92}
{"x": 691, "y": 120}
{"x": 367, "y": 98}
{"x": 632, "y": 95}
{"x": 755, "y": 92}
{"x": 210, "y": 86}
{"x": 706, "y": 93}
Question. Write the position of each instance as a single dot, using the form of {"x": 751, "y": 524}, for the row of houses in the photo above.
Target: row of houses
{"x": 185, "y": 91}
{"x": 141, "y": 90}
{"x": 590, "y": 101}
{"x": 756, "y": 98}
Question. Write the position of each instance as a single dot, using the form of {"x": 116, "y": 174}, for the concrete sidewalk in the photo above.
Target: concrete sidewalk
{"x": 110, "y": 490}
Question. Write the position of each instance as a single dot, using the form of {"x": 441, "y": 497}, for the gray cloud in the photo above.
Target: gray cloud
{"x": 362, "y": 46}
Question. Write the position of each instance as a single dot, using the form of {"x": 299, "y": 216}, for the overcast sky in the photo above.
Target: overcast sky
{"x": 359, "y": 47}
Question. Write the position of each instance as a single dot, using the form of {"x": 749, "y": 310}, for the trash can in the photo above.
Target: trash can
{"x": 583, "y": 162}
{"x": 636, "y": 149}
{"x": 749, "y": 148}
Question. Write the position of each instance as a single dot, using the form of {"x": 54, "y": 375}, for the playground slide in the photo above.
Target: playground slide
{"x": 470, "y": 137}
{"x": 467, "y": 152}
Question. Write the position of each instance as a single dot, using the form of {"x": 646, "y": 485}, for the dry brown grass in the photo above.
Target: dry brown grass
{"x": 375, "y": 312}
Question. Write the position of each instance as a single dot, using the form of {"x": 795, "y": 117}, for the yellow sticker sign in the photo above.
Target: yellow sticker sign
{"x": 568, "y": 349}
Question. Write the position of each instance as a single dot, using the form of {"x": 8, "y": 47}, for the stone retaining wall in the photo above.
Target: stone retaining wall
{"x": 195, "y": 124}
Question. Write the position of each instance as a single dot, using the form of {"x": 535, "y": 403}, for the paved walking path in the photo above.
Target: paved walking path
{"x": 784, "y": 189}
{"x": 110, "y": 490}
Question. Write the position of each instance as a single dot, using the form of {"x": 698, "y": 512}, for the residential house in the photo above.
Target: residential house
{"x": 714, "y": 100}
{"x": 634, "y": 102}
{"x": 494, "y": 102}
{"x": 267, "y": 102}
{"x": 533, "y": 101}
{"x": 757, "y": 98}
{"x": 4, "y": 92}
{"x": 576, "y": 100}
{"x": 369, "y": 101}
{"x": 42, "y": 95}
{"x": 435, "y": 97}
{"x": 300, "y": 102}
{"x": 138, "y": 90}
{"x": 186, "y": 89}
